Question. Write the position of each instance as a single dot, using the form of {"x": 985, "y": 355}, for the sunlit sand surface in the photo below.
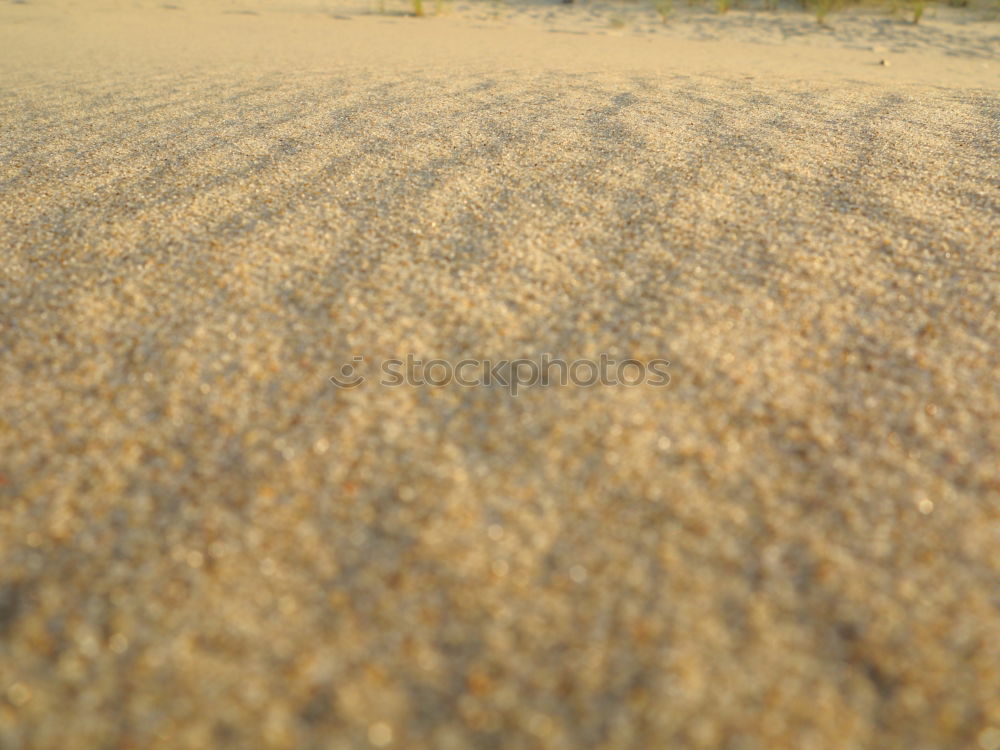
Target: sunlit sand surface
{"x": 205, "y": 210}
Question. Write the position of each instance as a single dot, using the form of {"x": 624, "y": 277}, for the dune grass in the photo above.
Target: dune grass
{"x": 663, "y": 8}
{"x": 912, "y": 11}
{"x": 823, "y": 8}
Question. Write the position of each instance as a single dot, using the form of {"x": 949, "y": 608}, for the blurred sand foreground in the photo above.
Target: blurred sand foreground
{"x": 203, "y": 543}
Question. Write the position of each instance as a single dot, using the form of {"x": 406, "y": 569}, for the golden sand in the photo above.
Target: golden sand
{"x": 206, "y": 209}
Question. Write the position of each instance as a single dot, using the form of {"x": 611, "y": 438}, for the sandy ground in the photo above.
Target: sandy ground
{"x": 207, "y": 209}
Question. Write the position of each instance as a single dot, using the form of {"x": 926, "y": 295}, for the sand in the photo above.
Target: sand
{"x": 205, "y": 210}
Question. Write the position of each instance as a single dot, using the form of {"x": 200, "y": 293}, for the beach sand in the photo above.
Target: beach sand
{"x": 207, "y": 208}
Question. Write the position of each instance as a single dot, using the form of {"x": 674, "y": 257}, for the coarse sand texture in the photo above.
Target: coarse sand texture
{"x": 206, "y": 209}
